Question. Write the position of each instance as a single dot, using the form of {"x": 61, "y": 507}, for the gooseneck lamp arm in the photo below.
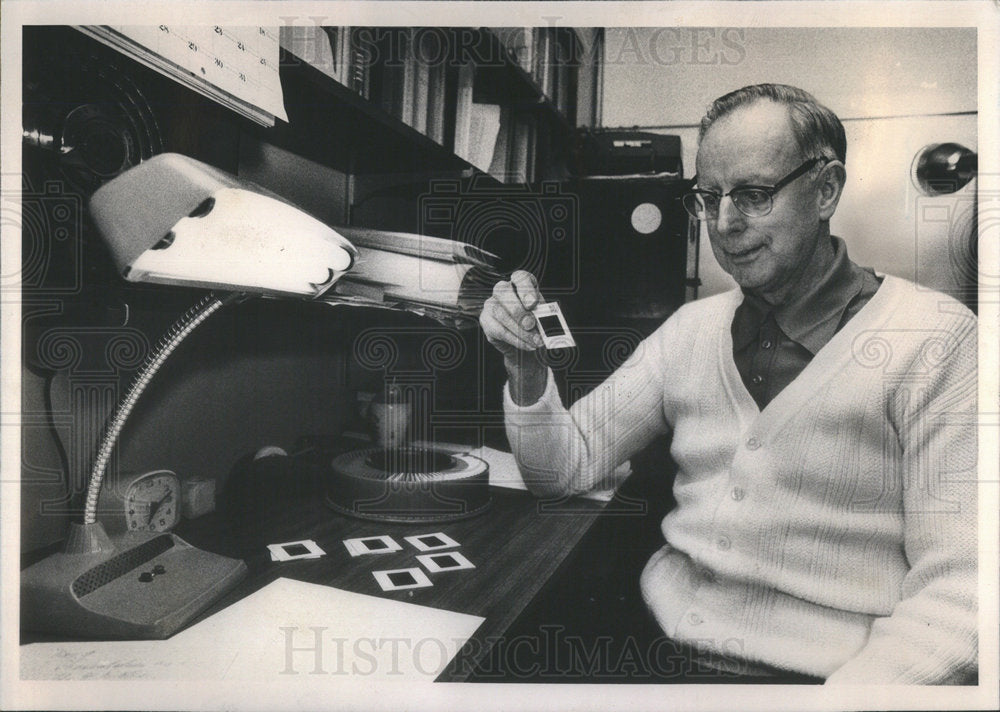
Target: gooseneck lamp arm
{"x": 199, "y": 226}
{"x": 95, "y": 586}
{"x": 187, "y": 323}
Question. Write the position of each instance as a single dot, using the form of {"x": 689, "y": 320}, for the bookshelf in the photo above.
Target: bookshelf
{"x": 375, "y": 114}
{"x": 502, "y": 102}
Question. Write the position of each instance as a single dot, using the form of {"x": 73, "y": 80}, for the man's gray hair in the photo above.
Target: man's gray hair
{"x": 817, "y": 130}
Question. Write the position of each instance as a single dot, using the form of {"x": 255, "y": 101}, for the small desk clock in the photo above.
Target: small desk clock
{"x": 148, "y": 502}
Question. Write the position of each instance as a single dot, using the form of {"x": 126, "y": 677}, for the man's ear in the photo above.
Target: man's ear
{"x": 831, "y": 184}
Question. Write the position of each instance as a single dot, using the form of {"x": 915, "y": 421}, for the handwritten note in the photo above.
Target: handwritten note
{"x": 127, "y": 660}
{"x": 287, "y": 628}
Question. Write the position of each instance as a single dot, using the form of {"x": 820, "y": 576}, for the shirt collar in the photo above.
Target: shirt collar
{"x": 748, "y": 319}
{"x": 812, "y": 320}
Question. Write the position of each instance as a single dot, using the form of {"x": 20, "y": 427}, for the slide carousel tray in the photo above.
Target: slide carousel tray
{"x": 415, "y": 485}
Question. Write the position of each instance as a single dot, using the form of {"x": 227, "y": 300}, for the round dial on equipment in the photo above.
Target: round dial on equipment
{"x": 147, "y": 502}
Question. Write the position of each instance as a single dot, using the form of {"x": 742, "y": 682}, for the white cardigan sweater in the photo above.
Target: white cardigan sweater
{"x": 832, "y": 533}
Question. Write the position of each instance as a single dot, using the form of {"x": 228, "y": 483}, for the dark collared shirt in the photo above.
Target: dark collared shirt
{"x": 772, "y": 345}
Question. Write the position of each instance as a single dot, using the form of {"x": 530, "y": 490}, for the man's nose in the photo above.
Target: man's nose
{"x": 730, "y": 219}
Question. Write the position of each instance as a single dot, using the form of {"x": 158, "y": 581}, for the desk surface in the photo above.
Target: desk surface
{"x": 516, "y": 546}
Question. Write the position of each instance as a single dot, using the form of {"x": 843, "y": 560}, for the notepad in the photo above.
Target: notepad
{"x": 271, "y": 634}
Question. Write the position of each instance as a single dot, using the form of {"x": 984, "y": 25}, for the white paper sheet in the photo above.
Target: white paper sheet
{"x": 505, "y": 473}
{"x": 287, "y": 628}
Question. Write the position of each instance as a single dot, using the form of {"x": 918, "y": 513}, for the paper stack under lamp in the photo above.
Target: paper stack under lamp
{"x": 173, "y": 220}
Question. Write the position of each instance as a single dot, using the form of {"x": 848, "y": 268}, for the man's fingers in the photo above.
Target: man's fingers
{"x": 500, "y": 325}
{"x": 505, "y": 295}
{"x": 527, "y": 288}
{"x": 505, "y": 320}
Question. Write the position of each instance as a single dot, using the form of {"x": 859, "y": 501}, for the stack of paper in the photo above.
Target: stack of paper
{"x": 443, "y": 279}
{"x": 336, "y": 633}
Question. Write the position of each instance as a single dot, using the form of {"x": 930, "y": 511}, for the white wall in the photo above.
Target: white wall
{"x": 897, "y": 90}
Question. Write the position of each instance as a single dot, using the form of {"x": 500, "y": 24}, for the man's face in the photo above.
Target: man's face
{"x": 754, "y": 145}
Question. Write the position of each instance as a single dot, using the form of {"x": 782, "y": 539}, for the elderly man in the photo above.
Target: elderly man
{"x": 822, "y": 418}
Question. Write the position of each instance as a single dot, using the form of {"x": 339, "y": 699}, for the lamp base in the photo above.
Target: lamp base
{"x": 138, "y": 585}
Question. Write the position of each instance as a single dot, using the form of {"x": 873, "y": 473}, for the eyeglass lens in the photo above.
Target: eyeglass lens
{"x": 752, "y": 202}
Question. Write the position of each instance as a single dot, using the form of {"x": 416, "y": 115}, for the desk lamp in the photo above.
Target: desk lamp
{"x": 173, "y": 220}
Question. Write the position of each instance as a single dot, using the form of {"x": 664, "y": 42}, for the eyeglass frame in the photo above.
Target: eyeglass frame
{"x": 769, "y": 190}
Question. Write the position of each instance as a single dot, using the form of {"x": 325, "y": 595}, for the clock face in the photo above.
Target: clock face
{"x": 152, "y": 502}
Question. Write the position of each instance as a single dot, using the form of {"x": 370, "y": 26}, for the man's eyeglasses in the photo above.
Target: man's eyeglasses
{"x": 754, "y": 201}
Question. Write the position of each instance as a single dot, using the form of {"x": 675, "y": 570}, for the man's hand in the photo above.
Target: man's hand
{"x": 506, "y": 317}
{"x": 510, "y": 327}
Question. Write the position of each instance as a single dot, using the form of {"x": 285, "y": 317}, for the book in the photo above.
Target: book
{"x": 542, "y": 61}
{"x": 562, "y": 72}
{"x": 314, "y": 46}
{"x": 463, "y": 111}
{"x": 522, "y": 166}
{"x": 437, "y": 96}
{"x": 526, "y": 53}
{"x": 340, "y": 46}
{"x": 421, "y": 95}
{"x": 389, "y": 91}
{"x": 406, "y": 109}
{"x": 587, "y": 77}
{"x": 397, "y": 74}
{"x": 358, "y": 62}
{"x": 421, "y": 49}
{"x": 501, "y": 162}
{"x": 486, "y": 125}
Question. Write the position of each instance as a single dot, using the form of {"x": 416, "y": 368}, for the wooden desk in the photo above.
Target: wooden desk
{"x": 516, "y": 546}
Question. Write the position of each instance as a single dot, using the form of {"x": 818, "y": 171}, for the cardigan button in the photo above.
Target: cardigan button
{"x": 723, "y": 543}
{"x": 695, "y": 619}
{"x": 753, "y": 444}
{"x": 738, "y": 493}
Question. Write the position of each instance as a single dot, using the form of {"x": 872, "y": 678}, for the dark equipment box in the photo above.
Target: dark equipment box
{"x": 618, "y": 152}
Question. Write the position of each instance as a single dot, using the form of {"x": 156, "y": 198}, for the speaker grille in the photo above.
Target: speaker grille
{"x": 119, "y": 565}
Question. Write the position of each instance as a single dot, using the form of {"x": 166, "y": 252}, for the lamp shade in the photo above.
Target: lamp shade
{"x": 175, "y": 220}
